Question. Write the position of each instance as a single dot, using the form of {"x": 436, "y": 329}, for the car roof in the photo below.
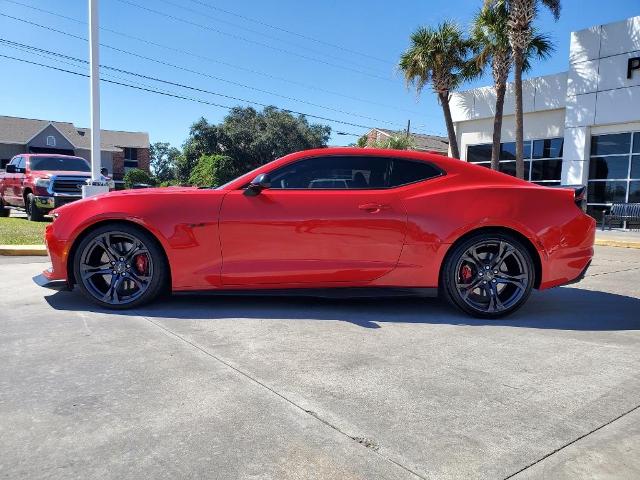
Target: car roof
{"x": 447, "y": 164}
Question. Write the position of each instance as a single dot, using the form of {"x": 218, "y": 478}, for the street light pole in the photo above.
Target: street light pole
{"x": 96, "y": 185}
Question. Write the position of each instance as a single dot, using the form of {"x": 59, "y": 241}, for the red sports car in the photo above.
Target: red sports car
{"x": 330, "y": 221}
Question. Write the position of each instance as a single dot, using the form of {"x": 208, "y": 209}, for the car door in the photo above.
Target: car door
{"x": 18, "y": 182}
{"x": 10, "y": 183}
{"x": 298, "y": 232}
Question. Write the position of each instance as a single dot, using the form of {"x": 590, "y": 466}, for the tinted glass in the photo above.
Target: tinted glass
{"x": 508, "y": 150}
{"x": 548, "y": 148}
{"x": 407, "y": 171}
{"x": 22, "y": 163}
{"x": 479, "y": 153}
{"x": 66, "y": 164}
{"x": 340, "y": 172}
{"x": 635, "y": 166}
{"x": 609, "y": 167}
{"x": 546, "y": 170}
{"x": 607, "y": 192}
{"x": 508, "y": 167}
{"x": 547, "y": 184}
{"x": 634, "y": 192}
{"x": 636, "y": 142}
{"x": 616, "y": 143}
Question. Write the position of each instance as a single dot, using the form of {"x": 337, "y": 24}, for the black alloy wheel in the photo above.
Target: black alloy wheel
{"x": 119, "y": 266}
{"x": 489, "y": 275}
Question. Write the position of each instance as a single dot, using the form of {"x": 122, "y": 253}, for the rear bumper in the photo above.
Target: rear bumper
{"x": 581, "y": 276}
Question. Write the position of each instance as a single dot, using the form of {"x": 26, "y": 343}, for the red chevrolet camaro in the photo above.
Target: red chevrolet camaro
{"x": 331, "y": 221}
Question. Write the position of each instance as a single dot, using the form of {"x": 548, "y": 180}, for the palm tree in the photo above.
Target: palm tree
{"x": 490, "y": 38}
{"x": 438, "y": 56}
{"x": 521, "y": 16}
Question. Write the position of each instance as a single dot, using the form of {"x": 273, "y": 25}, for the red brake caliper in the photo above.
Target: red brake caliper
{"x": 466, "y": 273}
{"x": 142, "y": 264}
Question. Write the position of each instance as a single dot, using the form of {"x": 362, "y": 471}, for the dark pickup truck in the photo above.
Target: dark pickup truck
{"x": 39, "y": 183}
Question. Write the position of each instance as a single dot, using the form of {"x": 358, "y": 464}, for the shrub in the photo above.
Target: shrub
{"x": 135, "y": 175}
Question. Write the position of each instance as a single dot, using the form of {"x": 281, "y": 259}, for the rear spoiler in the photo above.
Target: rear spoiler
{"x": 579, "y": 194}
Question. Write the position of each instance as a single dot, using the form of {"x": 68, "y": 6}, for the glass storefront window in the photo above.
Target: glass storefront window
{"x": 543, "y": 159}
{"x": 548, "y": 148}
{"x": 613, "y": 144}
{"x": 546, "y": 169}
{"x": 614, "y": 167}
{"x": 607, "y": 192}
{"x": 614, "y": 171}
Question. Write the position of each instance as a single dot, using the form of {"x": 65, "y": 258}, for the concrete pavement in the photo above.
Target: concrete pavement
{"x": 213, "y": 387}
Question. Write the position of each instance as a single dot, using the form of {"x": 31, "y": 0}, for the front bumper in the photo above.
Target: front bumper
{"x": 55, "y": 201}
{"x": 43, "y": 280}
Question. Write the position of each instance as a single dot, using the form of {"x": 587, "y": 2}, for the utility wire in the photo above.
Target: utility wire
{"x": 196, "y": 72}
{"x": 307, "y": 50}
{"x": 248, "y": 40}
{"x": 205, "y": 58}
{"x": 175, "y": 95}
{"x": 290, "y": 32}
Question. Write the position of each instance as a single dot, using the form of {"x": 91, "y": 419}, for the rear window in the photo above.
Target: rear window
{"x": 404, "y": 172}
{"x": 65, "y": 164}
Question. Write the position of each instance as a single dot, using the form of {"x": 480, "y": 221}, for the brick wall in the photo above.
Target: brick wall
{"x": 118, "y": 165}
{"x": 143, "y": 159}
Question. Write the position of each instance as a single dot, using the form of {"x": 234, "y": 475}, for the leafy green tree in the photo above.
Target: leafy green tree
{"x": 213, "y": 171}
{"x": 522, "y": 14}
{"x": 362, "y": 141}
{"x": 438, "y": 56}
{"x": 251, "y": 138}
{"x": 490, "y": 38}
{"x": 163, "y": 161}
{"x": 137, "y": 176}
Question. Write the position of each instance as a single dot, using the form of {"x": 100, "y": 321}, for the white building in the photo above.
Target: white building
{"x": 580, "y": 127}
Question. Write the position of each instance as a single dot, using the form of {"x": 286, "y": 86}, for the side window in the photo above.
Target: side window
{"x": 22, "y": 164}
{"x": 404, "y": 172}
{"x": 334, "y": 172}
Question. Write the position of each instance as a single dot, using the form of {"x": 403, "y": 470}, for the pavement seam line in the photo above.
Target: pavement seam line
{"x": 615, "y": 271}
{"x": 572, "y": 442}
{"x": 288, "y": 400}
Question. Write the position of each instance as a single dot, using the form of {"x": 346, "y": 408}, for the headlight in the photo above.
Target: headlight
{"x": 42, "y": 182}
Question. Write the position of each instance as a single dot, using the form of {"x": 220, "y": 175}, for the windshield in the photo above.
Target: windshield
{"x": 65, "y": 164}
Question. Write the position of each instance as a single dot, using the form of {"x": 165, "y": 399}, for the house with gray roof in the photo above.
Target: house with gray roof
{"x": 421, "y": 142}
{"x": 120, "y": 150}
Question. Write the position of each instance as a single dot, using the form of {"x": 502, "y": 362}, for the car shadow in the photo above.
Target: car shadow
{"x": 561, "y": 309}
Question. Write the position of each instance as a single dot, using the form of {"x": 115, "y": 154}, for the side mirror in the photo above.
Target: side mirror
{"x": 258, "y": 184}
{"x": 11, "y": 169}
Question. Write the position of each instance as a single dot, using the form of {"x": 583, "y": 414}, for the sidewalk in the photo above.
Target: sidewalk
{"x": 618, "y": 238}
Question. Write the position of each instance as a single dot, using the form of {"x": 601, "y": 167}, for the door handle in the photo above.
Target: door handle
{"x": 373, "y": 207}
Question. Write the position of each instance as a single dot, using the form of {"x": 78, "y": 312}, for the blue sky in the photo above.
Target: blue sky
{"x": 340, "y": 59}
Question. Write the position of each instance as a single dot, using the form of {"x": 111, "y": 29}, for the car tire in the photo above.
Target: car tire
{"x": 4, "y": 209}
{"x": 108, "y": 270}
{"x": 33, "y": 212}
{"x": 488, "y": 275}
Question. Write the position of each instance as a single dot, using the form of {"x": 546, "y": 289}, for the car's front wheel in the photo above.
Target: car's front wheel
{"x": 119, "y": 266}
{"x": 488, "y": 275}
{"x": 4, "y": 209}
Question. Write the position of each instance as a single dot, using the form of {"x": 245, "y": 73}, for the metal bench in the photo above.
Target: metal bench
{"x": 623, "y": 212}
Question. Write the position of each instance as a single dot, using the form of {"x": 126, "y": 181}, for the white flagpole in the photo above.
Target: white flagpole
{"x": 97, "y": 185}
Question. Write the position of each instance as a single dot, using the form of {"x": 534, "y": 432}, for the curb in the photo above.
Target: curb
{"x": 23, "y": 250}
{"x": 617, "y": 243}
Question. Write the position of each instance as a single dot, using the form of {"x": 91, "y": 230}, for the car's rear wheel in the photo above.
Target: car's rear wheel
{"x": 33, "y": 212}
{"x": 119, "y": 266}
{"x": 4, "y": 209}
{"x": 488, "y": 275}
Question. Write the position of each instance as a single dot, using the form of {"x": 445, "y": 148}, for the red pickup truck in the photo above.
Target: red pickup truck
{"x": 39, "y": 183}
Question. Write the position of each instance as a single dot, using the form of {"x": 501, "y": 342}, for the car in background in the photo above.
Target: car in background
{"x": 38, "y": 183}
{"x": 393, "y": 222}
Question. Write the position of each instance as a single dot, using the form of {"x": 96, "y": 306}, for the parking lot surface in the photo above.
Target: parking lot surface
{"x": 292, "y": 388}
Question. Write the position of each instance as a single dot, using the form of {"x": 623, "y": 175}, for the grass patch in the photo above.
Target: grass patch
{"x": 20, "y": 231}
